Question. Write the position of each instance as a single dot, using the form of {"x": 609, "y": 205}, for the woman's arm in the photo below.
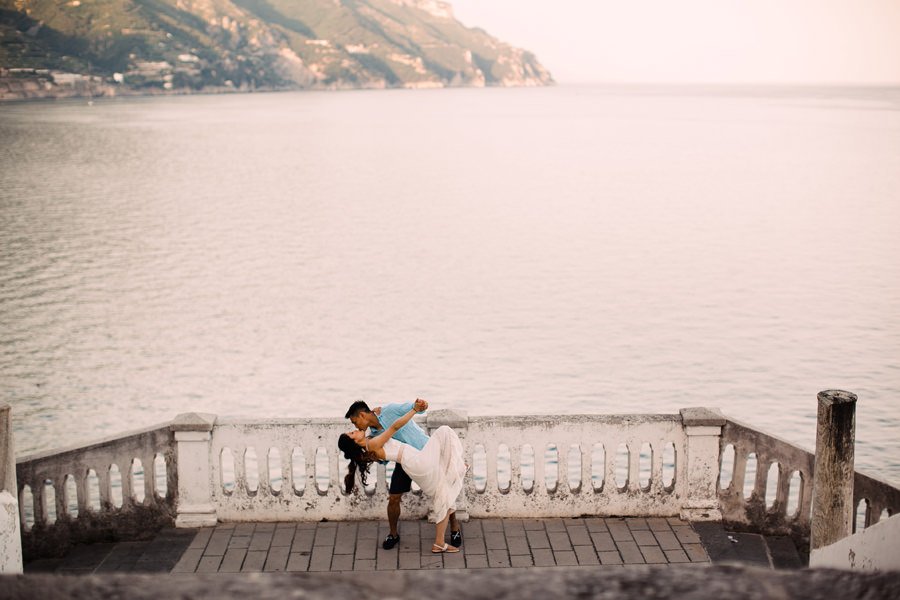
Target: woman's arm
{"x": 379, "y": 440}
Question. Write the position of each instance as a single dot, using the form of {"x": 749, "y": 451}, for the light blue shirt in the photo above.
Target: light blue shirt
{"x": 410, "y": 433}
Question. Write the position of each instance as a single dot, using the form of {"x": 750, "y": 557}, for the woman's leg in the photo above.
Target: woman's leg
{"x": 440, "y": 529}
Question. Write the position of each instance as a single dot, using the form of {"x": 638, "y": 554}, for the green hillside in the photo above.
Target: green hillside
{"x": 182, "y": 45}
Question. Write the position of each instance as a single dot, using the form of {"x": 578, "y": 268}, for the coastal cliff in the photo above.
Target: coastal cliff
{"x": 52, "y": 48}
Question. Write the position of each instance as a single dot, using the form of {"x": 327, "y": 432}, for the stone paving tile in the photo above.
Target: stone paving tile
{"x": 477, "y": 561}
{"x": 637, "y": 524}
{"x": 603, "y": 541}
{"x": 495, "y": 540}
{"x": 430, "y": 560}
{"x": 586, "y": 555}
{"x": 476, "y": 546}
{"x": 472, "y": 529}
{"x": 676, "y": 521}
{"x": 658, "y": 524}
{"x": 521, "y": 560}
{"x": 367, "y": 530}
{"x": 202, "y": 538}
{"x": 244, "y": 528}
{"x": 686, "y": 535}
{"x": 595, "y": 524}
{"x": 385, "y": 560}
{"x": 533, "y": 525}
{"x": 241, "y": 541}
{"x": 631, "y": 554}
{"x": 362, "y": 564}
{"x": 268, "y": 527}
{"x": 514, "y": 528}
{"x": 543, "y": 557}
{"x": 667, "y": 540}
{"x": 409, "y": 560}
{"x": 610, "y": 558}
{"x": 653, "y": 555}
{"x": 619, "y": 531}
{"x": 559, "y": 541}
{"x": 677, "y": 556}
{"x": 283, "y": 536}
{"x": 538, "y": 539}
{"x": 454, "y": 561}
{"x": 342, "y": 562}
{"x": 218, "y": 544}
{"x": 320, "y": 559}
{"x": 189, "y": 561}
{"x": 298, "y": 561}
{"x": 254, "y": 562}
{"x": 303, "y": 540}
{"x": 554, "y": 525}
{"x": 498, "y": 558}
{"x": 696, "y": 552}
{"x": 518, "y": 546}
{"x": 277, "y": 559}
{"x": 325, "y": 536}
{"x": 226, "y": 526}
{"x": 209, "y": 564}
{"x": 579, "y": 535}
{"x": 233, "y": 560}
{"x": 491, "y": 525}
{"x": 565, "y": 558}
{"x": 644, "y": 538}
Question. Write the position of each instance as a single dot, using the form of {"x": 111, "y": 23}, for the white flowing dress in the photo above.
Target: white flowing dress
{"x": 438, "y": 468}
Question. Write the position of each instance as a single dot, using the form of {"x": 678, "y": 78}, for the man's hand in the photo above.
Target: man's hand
{"x": 420, "y": 405}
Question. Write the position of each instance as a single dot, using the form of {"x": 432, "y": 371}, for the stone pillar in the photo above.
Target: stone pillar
{"x": 703, "y": 428}
{"x": 459, "y": 421}
{"x": 194, "y": 505}
{"x": 10, "y": 537}
{"x": 832, "y": 509}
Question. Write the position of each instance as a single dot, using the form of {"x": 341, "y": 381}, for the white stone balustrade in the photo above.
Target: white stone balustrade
{"x": 10, "y": 546}
{"x": 226, "y": 470}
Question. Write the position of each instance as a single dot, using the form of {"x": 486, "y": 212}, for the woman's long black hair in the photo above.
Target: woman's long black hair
{"x": 359, "y": 460}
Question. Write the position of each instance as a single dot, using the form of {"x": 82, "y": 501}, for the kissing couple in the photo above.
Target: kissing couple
{"x": 436, "y": 464}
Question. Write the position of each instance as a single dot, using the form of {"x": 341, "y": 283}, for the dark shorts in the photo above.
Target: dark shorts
{"x": 400, "y": 481}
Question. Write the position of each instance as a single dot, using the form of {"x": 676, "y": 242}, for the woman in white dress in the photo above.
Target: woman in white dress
{"x": 438, "y": 468}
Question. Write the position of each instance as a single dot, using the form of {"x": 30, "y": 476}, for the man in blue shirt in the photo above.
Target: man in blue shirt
{"x": 376, "y": 421}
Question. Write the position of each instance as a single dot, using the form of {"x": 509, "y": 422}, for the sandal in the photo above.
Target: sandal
{"x": 435, "y": 549}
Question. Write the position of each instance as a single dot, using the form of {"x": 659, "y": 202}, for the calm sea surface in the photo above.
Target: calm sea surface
{"x": 560, "y": 250}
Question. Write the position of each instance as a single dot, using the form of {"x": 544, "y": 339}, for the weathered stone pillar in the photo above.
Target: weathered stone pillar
{"x": 832, "y": 509}
{"x": 10, "y": 538}
{"x": 194, "y": 506}
{"x": 703, "y": 428}
{"x": 459, "y": 421}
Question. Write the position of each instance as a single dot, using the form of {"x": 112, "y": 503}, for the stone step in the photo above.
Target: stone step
{"x": 773, "y": 552}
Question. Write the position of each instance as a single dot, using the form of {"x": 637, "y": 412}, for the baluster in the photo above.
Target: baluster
{"x": 610, "y": 451}
{"x": 62, "y": 507}
{"x": 82, "y": 490}
{"x": 37, "y": 494}
{"x": 239, "y": 455}
{"x": 264, "y": 489}
{"x": 515, "y": 468}
{"x": 148, "y": 462}
{"x": 540, "y": 467}
{"x": 334, "y": 473}
{"x": 490, "y": 462}
{"x": 740, "y": 468}
{"x": 126, "y": 474}
{"x": 311, "y": 483}
{"x": 562, "y": 468}
{"x": 587, "y": 484}
{"x": 634, "y": 465}
{"x": 287, "y": 475}
{"x": 784, "y": 487}
{"x": 657, "y": 450}
{"x": 103, "y": 480}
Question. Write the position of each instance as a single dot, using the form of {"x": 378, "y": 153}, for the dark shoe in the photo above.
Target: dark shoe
{"x": 390, "y": 541}
{"x": 456, "y": 538}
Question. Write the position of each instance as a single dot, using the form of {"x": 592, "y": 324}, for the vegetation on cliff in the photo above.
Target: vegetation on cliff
{"x": 251, "y": 44}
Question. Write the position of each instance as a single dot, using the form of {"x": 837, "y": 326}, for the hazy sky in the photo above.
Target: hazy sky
{"x": 758, "y": 41}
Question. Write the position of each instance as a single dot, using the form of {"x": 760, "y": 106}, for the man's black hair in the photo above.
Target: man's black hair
{"x": 356, "y": 408}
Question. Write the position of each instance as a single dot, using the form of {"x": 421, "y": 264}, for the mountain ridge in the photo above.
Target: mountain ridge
{"x": 169, "y": 46}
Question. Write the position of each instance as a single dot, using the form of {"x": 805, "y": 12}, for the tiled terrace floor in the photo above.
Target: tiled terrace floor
{"x": 487, "y": 543}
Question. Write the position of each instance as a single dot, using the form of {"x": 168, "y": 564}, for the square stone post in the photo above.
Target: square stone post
{"x": 703, "y": 428}
{"x": 10, "y": 537}
{"x": 194, "y": 505}
{"x": 459, "y": 421}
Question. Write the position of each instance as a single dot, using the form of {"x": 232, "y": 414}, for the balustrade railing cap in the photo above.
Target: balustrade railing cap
{"x": 701, "y": 416}
{"x": 193, "y": 422}
{"x": 449, "y": 417}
